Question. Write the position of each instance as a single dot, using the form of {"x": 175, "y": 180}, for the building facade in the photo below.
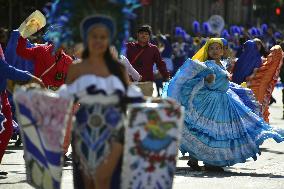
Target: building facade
{"x": 164, "y": 15}
{"x": 13, "y": 12}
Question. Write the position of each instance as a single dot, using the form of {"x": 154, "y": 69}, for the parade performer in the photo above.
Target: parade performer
{"x": 16, "y": 61}
{"x": 281, "y": 75}
{"x": 180, "y": 49}
{"x": 247, "y": 62}
{"x": 6, "y": 126}
{"x": 264, "y": 79}
{"x": 52, "y": 68}
{"x": 228, "y": 59}
{"x": 259, "y": 73}
{"x": 219, "y": 129}
{"x": 50, "y": 64}
{"x": 99, "y": 73}
{"x": 11, "y": 55}
{"x": 165, "y": 48}
{"x": 143, "y": 56}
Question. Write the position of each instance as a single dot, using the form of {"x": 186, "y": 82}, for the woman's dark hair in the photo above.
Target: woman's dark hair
{"x": 282, "y": 45}
{"x": 242, "y": 40}
{"x": 263, "y": 52}
{"x": 145, "y": 28}
{"x": 113, "y": 65}
{"x": 168, "y": 37}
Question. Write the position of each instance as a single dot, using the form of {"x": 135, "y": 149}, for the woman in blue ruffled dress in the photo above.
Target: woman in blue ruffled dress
{"x": 222, "y": 125}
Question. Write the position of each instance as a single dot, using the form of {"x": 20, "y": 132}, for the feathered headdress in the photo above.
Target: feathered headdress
{"x": 225, "y": 34}
{"x": 264, "y": 28}
{"x": 237, "y": 30}
{"x": 196, "y": 27}
{"x": 253, "y": 31}
{"x": 278, "y": 35}
{"x": 258, "y": 32}
{"x": 206, "y": 29}
{"x": 178, "y": 31}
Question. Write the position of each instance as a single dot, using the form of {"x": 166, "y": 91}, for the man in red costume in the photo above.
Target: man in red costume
{"x": 51, "y": 66}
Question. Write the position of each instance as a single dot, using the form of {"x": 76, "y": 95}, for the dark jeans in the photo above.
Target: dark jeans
{"x": 178, "y": 62}
{"x": 159, "y": 85}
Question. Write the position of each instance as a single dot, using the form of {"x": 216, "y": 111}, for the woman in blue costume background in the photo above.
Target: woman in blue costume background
{"x": 16, "y": 61}
{"x": 6, "y": 122}
{"x": 11, "y": 56}
{"x": 249, "y": 60}
{"x": 219, "y": 129}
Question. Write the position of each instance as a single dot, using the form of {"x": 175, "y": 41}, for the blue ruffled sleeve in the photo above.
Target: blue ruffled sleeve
{"x": 192, "y": 73}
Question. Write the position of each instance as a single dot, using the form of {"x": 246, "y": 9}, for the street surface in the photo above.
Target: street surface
{"x": 265, "y": 173}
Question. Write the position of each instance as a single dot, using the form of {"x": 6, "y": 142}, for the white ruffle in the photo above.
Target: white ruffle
{"x": 108, "y": 84}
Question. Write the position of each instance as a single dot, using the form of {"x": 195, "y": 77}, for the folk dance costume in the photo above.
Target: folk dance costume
{"x": 98, "y": 133}
{"x": 92, "y": 89}
{"x": 50, "y": 66}
{"x": 281, "y": 75}
{"x": 260, "y": 74}
{"x": 264, "y": 79}
{"x": 249, "y": 60}
{"x": 6, "y": 125}
{"x": 16, "y": 61}
{"x": 52, "y": 69}
{"x": 219, "y": 129}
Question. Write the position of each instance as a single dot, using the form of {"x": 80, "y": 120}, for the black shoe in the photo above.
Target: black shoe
{"x": 272, "y": 100}
{"x": 18, "y": 142}
{"x": 3, "y": 173}
{"x": 70, "y": 155}
{"x": 194, "y": 165}
{"x": 66, "y": 161}
{"x": 66, "y": 164}
{"x": 213, "y": 168}
{"x": 66, "y": 158}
